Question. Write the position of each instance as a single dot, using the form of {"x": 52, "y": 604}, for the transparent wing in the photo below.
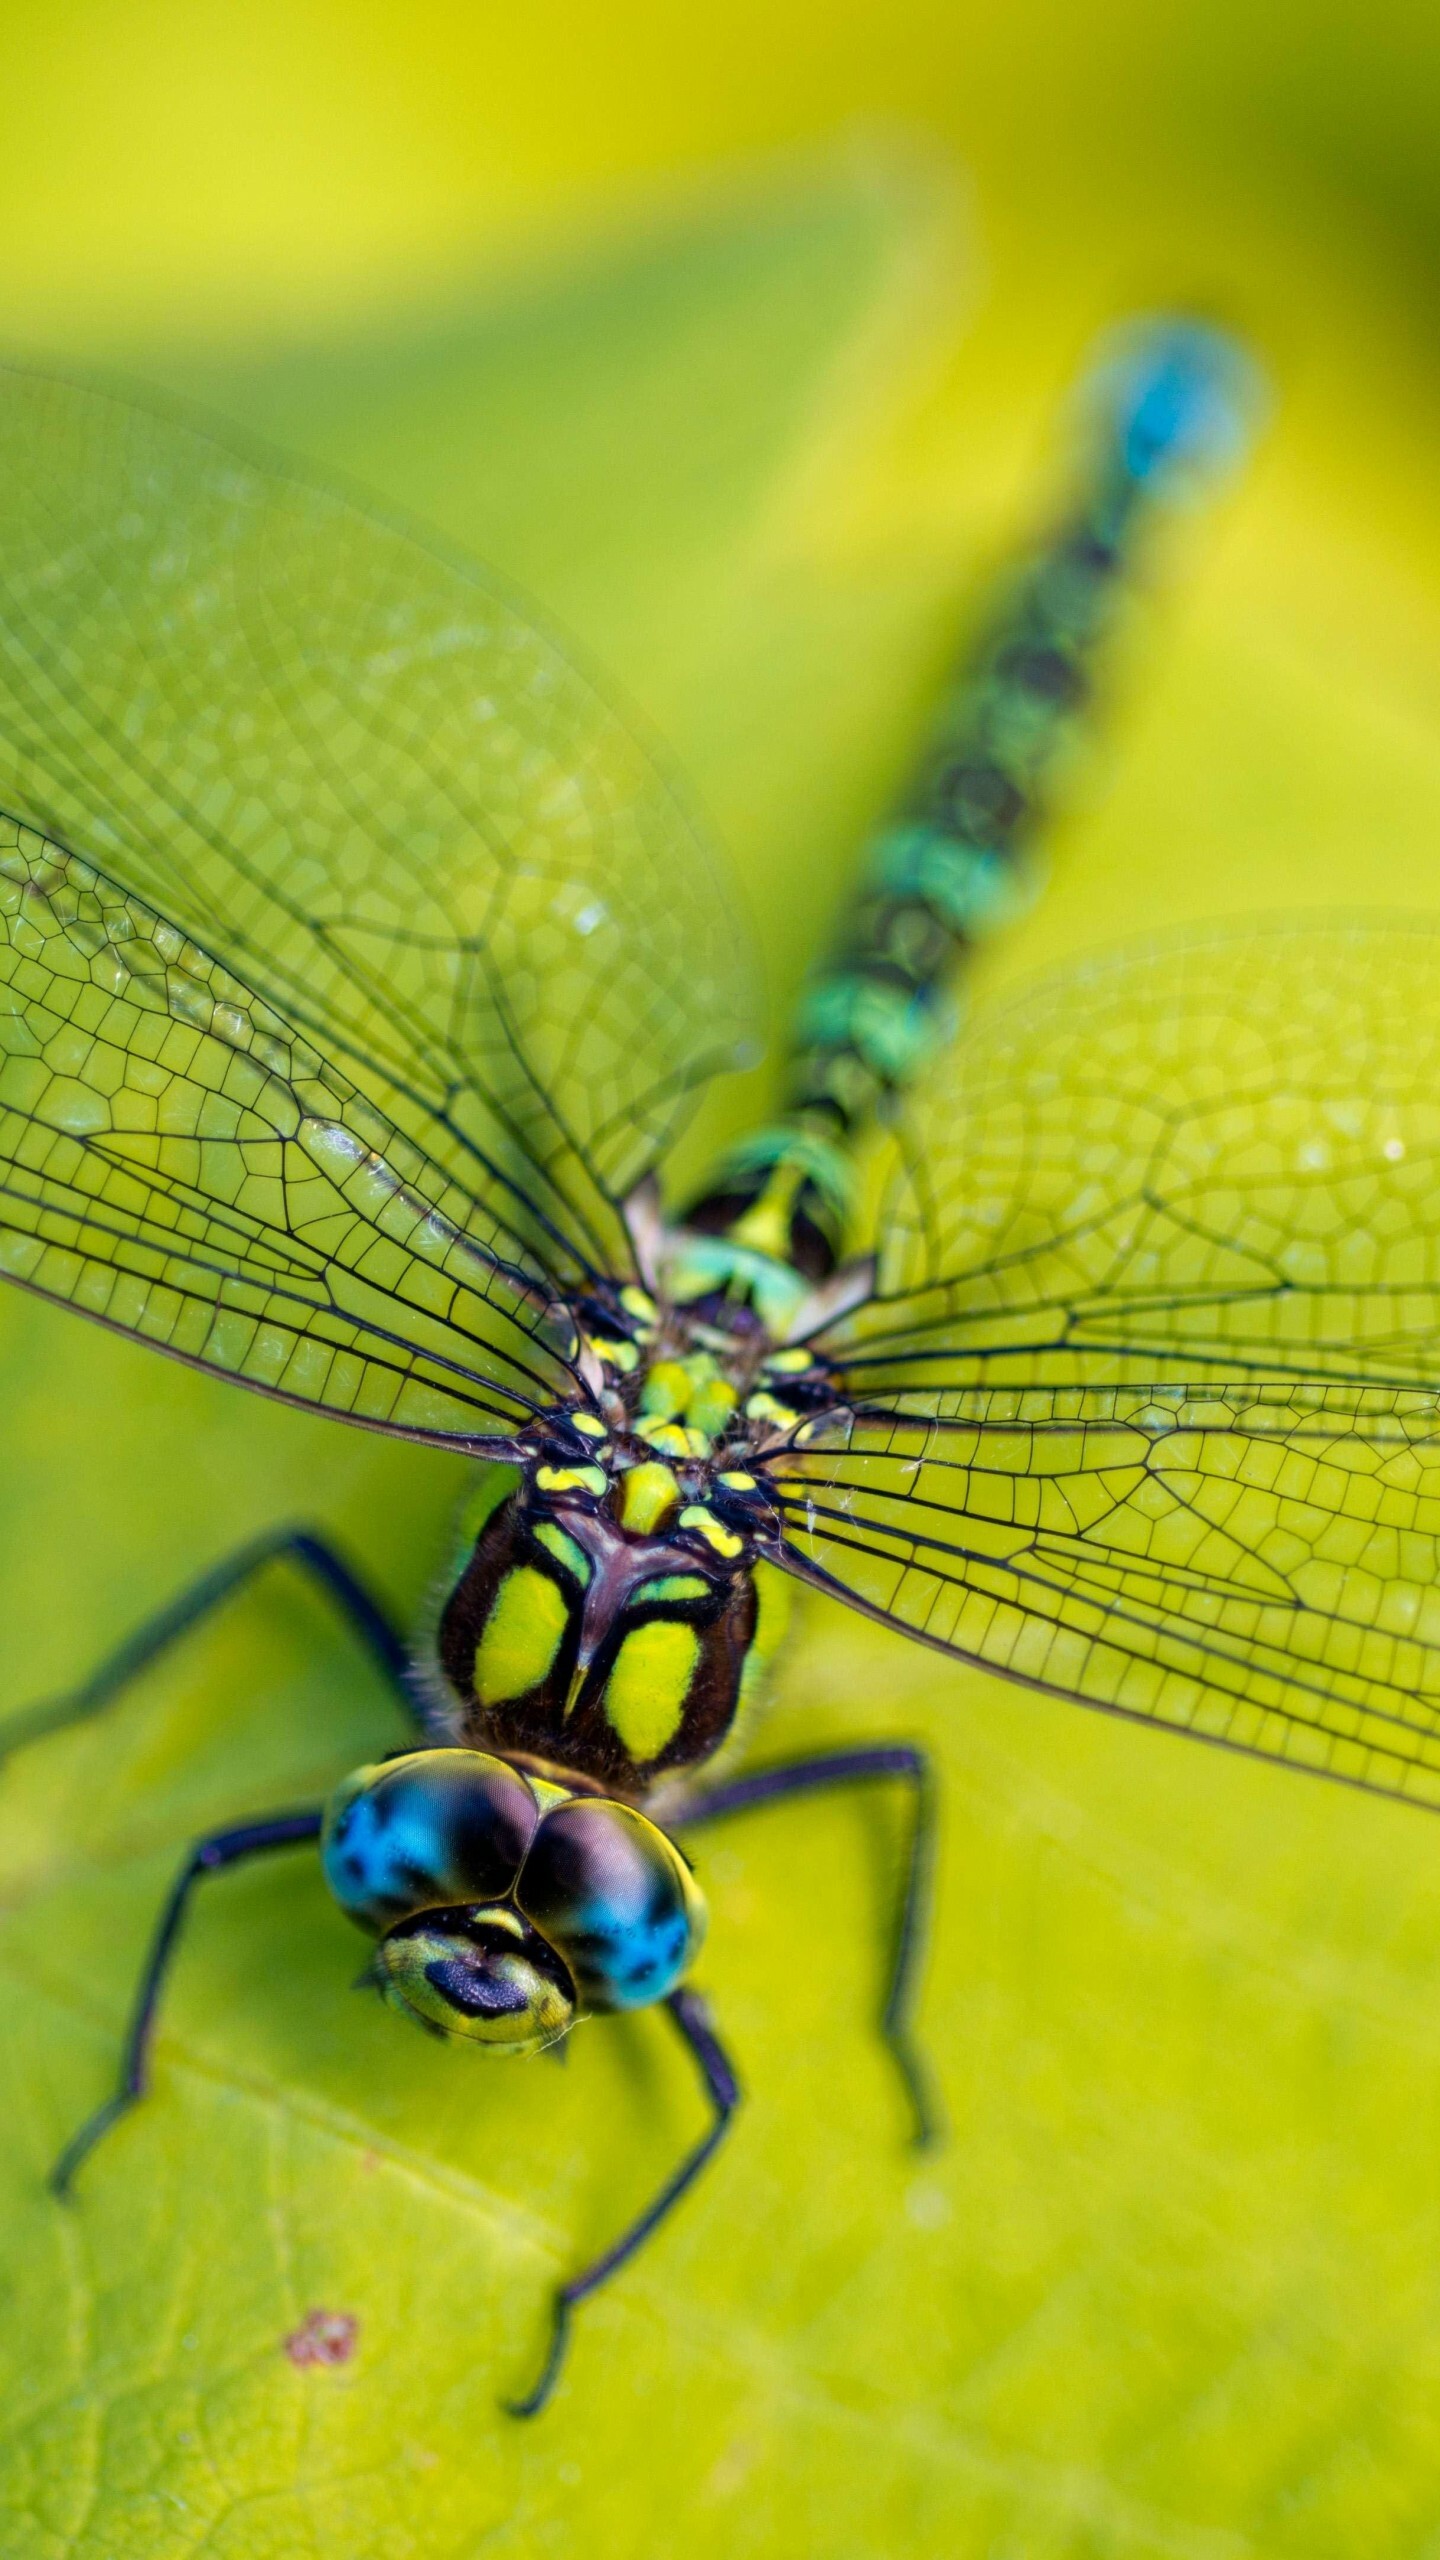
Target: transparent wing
{"x": 1211, "y": 1157}
{"x": 178, "y": 1161}
{"x": 377, "y": 789}
{"x": 1146, "y": 1411}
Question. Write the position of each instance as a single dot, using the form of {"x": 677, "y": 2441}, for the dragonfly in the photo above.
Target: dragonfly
{"x": 360, "y": 962}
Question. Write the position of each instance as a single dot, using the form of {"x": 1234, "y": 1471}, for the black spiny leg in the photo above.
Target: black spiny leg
{"x": 305, "y": 1548}
{"x": 207, "y": 1858}
{"x": 723, "y": 2091}
{"x": 849, "y": 1769}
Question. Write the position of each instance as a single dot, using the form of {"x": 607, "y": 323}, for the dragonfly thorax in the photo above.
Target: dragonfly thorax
{"x": 603, "y": 1622}
{"x": 703, "y": 1364}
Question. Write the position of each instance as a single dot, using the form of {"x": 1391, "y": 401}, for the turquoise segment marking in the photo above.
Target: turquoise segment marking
{"x": 716, "y": 1266}
{"x": 1166, "y": 406}
{"x": 1181, "y": 396}
{"x": 970, "y": 887}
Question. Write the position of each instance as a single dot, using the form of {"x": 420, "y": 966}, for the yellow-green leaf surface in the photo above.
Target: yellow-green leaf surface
{"x": 1173, "y": 2286}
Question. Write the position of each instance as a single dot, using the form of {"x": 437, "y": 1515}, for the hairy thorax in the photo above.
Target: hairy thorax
{"x": 605, "y": 1621}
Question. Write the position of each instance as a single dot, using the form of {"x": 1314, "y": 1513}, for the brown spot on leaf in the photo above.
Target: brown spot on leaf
{"x": 323, "y": 2337}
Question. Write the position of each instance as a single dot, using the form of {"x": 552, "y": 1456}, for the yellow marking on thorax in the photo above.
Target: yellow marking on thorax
{"x": 619, "y": 1355}
{"x": 671, "y": 1438}
{"x": 725, "y": 1541}
{"x": 687, "y": 1394}
{"x": 646, "y": 1694}
{"x": 710, "y": 1408}
{"x": 521, "y": 1636}
{"x": 667, "y": 1391}
{"x": 571, "y": 1479}
{"x": 647, "y": 1493}
{"x": 763, "y": 1408}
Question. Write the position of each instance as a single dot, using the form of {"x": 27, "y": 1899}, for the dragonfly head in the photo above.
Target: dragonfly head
{"x": 478, "y": 1971}
{"x": 505, "y": 1909}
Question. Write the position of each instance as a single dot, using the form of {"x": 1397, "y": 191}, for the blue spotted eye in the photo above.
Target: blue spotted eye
{"x": 497, "y": 1923}
{"x": 428, "y": 1828}
{"x": 616, "y": 1897}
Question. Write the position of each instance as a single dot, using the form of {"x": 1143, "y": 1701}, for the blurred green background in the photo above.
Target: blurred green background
{"x": 737, "y": 334}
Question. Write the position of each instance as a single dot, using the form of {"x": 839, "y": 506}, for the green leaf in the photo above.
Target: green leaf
{"x": 301, "y": 2151}
{"x": 1169, "y": 2288}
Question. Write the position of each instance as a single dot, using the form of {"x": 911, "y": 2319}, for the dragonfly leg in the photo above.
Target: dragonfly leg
{"x": 692, "y": 2019}
{"x": 304, "y": 1548}
{"x": 208, "y": 1857}
{"x": 864, "y": 1767}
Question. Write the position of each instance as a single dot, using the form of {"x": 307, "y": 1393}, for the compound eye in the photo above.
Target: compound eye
{"x": 618, "y": 1900}
{"x": 432, "y": 1827}
{"x": 478, "y": 1972}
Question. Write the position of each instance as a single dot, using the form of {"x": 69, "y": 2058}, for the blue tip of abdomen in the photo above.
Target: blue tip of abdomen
{"x": 1179, "y": 398}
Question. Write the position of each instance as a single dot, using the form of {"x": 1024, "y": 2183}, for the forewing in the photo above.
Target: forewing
{"x": 179, "y": 1162}
{"x": 1146, "y": 1411}
{"x": 377, "y": 789}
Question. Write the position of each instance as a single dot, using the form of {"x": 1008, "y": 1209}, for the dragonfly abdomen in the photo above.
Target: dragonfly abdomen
{"x": 951, "y": 862}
